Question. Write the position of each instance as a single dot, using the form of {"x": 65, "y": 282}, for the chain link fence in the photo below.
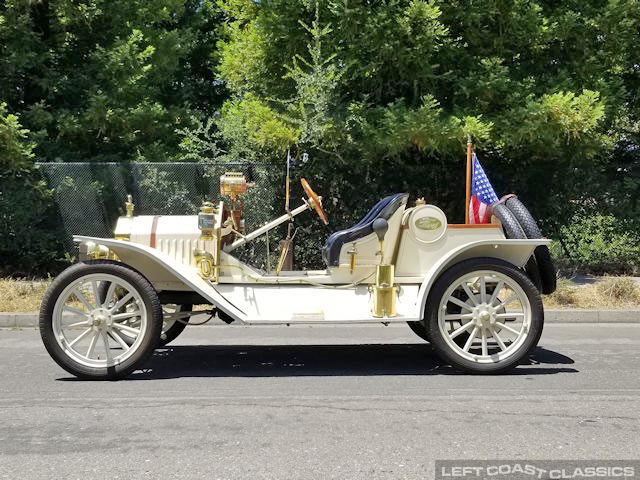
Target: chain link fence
{"x": 91, "y": 196}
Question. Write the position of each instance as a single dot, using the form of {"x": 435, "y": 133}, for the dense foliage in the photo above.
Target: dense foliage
{"x": 28, "y": 221}
{"x": 381, "y": 94}
{"x": 97, "y": 80}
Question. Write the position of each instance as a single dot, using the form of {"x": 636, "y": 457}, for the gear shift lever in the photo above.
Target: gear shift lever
{"x": 380, "y": 226}
{"x": 384, "y": 290}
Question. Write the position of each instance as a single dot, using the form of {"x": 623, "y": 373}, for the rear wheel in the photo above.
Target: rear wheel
{"x": 84, "y": 330}
{"x": 496, "y": 325}
{"x": 174, "y": 322}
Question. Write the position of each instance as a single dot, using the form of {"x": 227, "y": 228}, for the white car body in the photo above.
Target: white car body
{"x": 162, "y": 248}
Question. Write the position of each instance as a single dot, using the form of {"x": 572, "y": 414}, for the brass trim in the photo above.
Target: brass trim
{"x": 207, "y": 220}
{"x": 352, "y": 257}
{"x": 428, "y": 223}
{"x": 129, "y": 206}
{"x": 384, "y": 292}
{"x": 205, "y": 264}
{"x": 208, "y": 263}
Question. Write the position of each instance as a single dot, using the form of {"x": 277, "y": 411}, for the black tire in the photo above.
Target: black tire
{"x": 441, "y": 285}
{"x": 543, "y": 256}
{"x": 166, "y": 336}
{"x": 171, "y": 333}
{"x": 532, "y": 270}
{"x": 513, "y": 230}
{"x": 419, "y": 329}
{"x": 510, "y": 224}
{"x": 149, "y": 341}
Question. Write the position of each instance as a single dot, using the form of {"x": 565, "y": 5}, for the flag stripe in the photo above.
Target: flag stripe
{"x": 485, "y": 213}
{"x": 482, "y": 195}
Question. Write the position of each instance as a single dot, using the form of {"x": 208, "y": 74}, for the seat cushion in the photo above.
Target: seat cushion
{"x": 385, "y": 208}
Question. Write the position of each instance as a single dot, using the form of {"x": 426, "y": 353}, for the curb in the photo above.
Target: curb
{"x": 19, "y": 320}
{"x": 591, "y": 316}
{"x": 30, "y": 320}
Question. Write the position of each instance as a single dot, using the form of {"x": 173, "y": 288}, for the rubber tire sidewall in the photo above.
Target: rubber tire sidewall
{"x": 510, "y": 224}
{"x": 543, "y": 255}
{"x": 176, "y": 329}
{"x": 419, "y": 329}
{"x": 149, "y": 297}
{"x": 455, "y": 272}
{"x": 172, "y": 332}
{"x": 513, "y": 230}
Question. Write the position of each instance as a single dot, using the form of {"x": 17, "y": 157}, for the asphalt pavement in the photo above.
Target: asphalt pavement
{"x": 347, "y": 402}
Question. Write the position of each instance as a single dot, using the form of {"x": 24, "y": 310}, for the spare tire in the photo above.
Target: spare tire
{"x": 542, "y": 255}
{"x": 513, "y": 230}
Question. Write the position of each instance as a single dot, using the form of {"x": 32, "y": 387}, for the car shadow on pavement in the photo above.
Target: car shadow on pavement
{"x": 320, "y": 360}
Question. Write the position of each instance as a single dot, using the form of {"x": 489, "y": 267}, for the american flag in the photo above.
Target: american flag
{"x": 482, "y": 194}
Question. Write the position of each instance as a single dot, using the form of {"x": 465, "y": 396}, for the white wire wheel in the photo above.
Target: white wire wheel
{"x": 484, "y": 316}
{"x": 174, "y": 320}
{"x": 100, "y": 320}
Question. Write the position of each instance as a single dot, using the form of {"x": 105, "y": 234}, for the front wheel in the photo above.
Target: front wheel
{"x": 174, "y": 318}
{"x": 419, "y": 330}
{"x": 88, "y": 312}
{"x": 484, "y": 316}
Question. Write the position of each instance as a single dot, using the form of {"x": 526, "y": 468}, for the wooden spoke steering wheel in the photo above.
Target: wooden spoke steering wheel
{"x": 315, "y": 201}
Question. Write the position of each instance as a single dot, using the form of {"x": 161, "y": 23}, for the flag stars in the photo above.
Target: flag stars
{"x": 481, "y": 188}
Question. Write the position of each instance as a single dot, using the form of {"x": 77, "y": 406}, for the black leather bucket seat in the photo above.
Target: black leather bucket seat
{"x": 385, "y": 208}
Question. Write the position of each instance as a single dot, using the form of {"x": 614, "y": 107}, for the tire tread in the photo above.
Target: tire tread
{"x": 543, "y": 256}
{"x": 71, "y": 274}
{"x": 433, "y": 302}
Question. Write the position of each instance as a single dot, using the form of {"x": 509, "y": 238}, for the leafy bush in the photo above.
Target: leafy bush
{"x": 31, "y": 240}
{"x": 598, "y": 244}
{"x": 16, "y": 151}
{"x": 158, "y": 188}
{"x": 28, "y": 221}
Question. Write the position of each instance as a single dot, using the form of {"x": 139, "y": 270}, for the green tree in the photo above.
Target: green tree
{"x": 108, "y": 80}
{"x": 16, "y": 151}
{"x": 383, "y": 95}
{"x": 30, "y": 241}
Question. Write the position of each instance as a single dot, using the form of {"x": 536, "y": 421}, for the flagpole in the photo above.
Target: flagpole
{"x": 468, "y": 198}
{"x": 287, "y": 184}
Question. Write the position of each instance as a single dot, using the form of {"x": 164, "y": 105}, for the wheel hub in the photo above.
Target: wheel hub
{"x": 484, "y": 315}
{"x": 101, "y": 319}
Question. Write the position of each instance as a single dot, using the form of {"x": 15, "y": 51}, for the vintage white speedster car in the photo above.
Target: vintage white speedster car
{"x": 468, "y": 289}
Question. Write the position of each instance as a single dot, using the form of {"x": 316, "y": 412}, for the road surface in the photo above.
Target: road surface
{"x": 315, "y": 403}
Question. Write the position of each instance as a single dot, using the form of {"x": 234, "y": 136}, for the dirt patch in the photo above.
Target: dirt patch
{"x": 607, "y": 293}
{"x": 21, "y": 295}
